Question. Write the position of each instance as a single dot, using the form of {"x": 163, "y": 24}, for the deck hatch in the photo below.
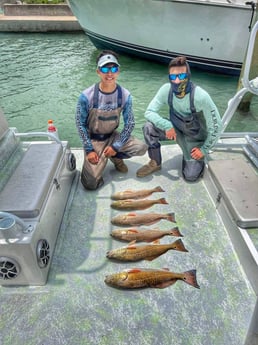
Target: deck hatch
{"x": 237, "y": 182}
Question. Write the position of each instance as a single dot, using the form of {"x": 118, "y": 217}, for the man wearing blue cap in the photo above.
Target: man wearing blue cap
{"x": 194, "y": 122}
{"x": 98, "y": 113}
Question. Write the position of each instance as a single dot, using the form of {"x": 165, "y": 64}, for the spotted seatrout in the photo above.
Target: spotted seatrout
{"x": 153, "y": 278}
{"x": 131, "y": 204}
{"x": 132, "y": 219}
{"x": 143, "y": 235}
{"x": 151, "y": 251}
{"x": 135, "y": 194}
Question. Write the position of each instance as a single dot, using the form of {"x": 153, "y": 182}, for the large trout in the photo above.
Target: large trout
{"x": 143, "y": 235}
{"x": 132, "y": 219}
{"x": 153, "y": 278}
{"x": 134, "y": 252}
{"x": 131, "y": 204}
{"x": 135, "y": 194}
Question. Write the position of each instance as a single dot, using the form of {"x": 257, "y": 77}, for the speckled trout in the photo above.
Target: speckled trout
{"x": 132, "y": 219}
{"x": 149, "y": 252}
{"x": 131, "y": 204}
{"x": 153, "y": 278}
{"x": 143, "y": 235}
{"x": 135, "y": 194}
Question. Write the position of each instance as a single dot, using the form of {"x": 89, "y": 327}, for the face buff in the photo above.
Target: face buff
{"x": 181, "y": 89}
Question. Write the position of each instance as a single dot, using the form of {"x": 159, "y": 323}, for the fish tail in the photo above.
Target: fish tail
{"x": 158, "y": 189}
{"x": 179, "y": 245}
{"x": 176, "y": 232}
{"x": 190, "y": 278}
{"x": 171, "y": 217}
{"x": 163, "y": 201}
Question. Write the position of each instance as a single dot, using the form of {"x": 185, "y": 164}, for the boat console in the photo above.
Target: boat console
{"x": 36, "y": 178}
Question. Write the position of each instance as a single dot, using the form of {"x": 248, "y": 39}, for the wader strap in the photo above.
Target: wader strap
{"x": 96, "y": 96}
{"x": 192, "y": 107}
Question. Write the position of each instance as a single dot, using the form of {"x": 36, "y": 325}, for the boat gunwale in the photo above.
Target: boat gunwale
{"x": 208, "y": 3}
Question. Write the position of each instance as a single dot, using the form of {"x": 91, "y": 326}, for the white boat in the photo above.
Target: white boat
{"x": 212, "y": 34}
{"x": 54, "y": 236}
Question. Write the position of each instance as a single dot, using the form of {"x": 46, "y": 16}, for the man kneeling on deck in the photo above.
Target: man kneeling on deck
{"x": 194, "y": 122}
{"x": 97, "y": 118}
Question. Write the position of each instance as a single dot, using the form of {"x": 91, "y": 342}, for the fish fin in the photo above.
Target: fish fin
{"x": 134, "y": 270}
{"x": 131, "y": 245}
{"x": 165, "y": 284}
{"x": 131, "y": 214}
{"x": 158, "y": 189}
{"x": 175, "y": 232}
{"x": 190, "y": 278}
{"x": 134, "y": 231}
{"x": 163, "y": 201}
{"x": 171, "y": 217}
{"x": 156, "y": 242}
{"x": 179, "y": 245}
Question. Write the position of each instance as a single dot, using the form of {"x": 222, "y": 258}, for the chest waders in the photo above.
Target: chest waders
{"x": 191, "y": 132}
{"x": 101, "y": 126}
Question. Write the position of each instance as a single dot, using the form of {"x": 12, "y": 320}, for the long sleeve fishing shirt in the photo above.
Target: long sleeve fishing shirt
{"x": 106, "y": 101}
{"x": 202, "y": 102}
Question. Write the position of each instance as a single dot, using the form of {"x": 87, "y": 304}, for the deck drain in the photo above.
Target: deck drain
{"x": 9, "y": 268}
{"x": 43, "y": 253}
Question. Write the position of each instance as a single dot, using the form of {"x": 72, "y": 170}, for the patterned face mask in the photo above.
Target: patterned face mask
{"x": 182, "y": 88}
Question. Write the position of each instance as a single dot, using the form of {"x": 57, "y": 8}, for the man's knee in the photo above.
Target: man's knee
{"x": 192, "y": 170}
{"x": 91, "y": 183}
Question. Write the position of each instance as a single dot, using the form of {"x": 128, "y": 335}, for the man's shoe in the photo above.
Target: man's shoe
{"x": 119, "y": 165}
{"x": 148, "y": 169}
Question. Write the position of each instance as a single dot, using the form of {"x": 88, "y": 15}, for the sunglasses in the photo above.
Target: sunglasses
{"x": 113, "y": 69}
{"x": 180, "y": 76}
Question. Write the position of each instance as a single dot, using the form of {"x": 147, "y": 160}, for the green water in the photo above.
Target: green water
{"x": 42, "y": 75}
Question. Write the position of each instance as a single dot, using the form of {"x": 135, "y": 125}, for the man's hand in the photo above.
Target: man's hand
{"x": 196, "y": 153}
{"x": 109, "y": 152}
{"x": 171, "y": 134}
{"x": 93, "y": 158}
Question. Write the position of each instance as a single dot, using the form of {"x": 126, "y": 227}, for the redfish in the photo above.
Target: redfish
{"x": 131, "y": 204}
{"x": 135, "y": 194}
{"x": 133, "y": 219}
{"x": 150, "y": 278}
{"x": 143, "y": 235}
{"x": 134, "y": 252}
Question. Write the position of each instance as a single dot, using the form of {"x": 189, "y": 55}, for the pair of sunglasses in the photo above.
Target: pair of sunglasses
{"x": 113, "y": 69}
{"x": 180, "y": 76}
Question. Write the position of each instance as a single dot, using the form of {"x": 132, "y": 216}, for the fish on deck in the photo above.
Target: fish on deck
{"x": 149, "y": 278}
{"x": 132, "y": 204}
{"x": 143, "y": 235}
{"x": 136, "y": 219}
{"x": 136, "y": 194}
{"x": 149, "y": 252}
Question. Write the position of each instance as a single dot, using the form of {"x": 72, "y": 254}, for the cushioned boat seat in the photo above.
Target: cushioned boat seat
{"x": 237, "y": 182}
{"x": 27, "y": 188}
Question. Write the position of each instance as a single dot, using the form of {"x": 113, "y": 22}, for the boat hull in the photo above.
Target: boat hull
{"x": 213, "y": 36}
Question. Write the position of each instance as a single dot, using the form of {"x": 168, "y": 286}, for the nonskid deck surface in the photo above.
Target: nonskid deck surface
{"x": 77, "y": 307}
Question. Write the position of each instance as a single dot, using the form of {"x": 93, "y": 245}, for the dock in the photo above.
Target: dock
{"x": 38, "y": 18}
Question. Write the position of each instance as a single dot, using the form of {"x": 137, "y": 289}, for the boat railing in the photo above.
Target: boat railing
{"x": 39, "y": 134}
{"x": 249, "y": 141}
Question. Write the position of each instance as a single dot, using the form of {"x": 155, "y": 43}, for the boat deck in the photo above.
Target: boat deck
{"x": 77, "y": 307}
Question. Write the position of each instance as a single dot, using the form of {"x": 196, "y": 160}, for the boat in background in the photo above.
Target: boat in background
{"x": 212, "y": 34}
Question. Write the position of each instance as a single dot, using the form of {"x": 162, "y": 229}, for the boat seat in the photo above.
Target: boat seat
{"x": 237, "y": 183}
{"x": 25, "y": 191}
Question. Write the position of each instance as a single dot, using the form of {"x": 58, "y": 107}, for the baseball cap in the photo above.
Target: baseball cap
{"x": 105, "y": 59}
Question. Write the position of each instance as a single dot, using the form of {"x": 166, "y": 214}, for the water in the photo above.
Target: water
{"x": 42, "y": 75}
